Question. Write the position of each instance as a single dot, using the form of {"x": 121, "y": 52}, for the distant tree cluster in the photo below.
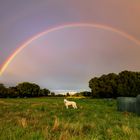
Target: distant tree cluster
{"x": 126, "y": 83}
{"x": 22, "y": 90}
{"x": 83, "y": 93}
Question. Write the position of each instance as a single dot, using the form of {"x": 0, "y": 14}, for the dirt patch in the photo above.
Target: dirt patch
{"x": 36, "y": 104}
{"x": 5, "y": 103}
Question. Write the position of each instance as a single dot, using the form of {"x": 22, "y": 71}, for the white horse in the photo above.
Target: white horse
{"x": 70, "y": 103}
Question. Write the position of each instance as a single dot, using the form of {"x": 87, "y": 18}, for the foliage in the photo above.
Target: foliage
{"x": 13, "y": 92}
{"x": 52, "y": 94}
{"x": 83, "y": 93}
{"x": 67, "y": 94}
{"x": 44, "y": 92}
{"x": 126, "y": 83}
{"x": 112, "y": 85}
{"x": 24, "y": 89}
{"x": 27, "y": 89}
{"x": 3, "y": 91}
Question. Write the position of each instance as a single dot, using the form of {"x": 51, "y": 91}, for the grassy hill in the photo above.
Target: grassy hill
{"x": 48, "y": 119}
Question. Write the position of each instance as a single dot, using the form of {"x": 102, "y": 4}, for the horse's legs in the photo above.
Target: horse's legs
{"x": 67, "y": 106}
{"x": 75, "y": 106}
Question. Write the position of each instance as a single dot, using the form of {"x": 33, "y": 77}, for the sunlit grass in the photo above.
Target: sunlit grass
{"x": 48, "y": 119}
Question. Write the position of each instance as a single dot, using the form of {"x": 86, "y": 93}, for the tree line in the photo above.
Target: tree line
{"x": 126, "y": 83}
{"x": 22, "y": 90}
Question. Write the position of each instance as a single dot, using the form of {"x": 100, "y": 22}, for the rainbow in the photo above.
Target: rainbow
{"x": 91, "y": 25}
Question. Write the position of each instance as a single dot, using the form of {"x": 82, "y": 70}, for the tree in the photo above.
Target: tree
{"x": 24, "y": 89}
{"x": 27, "y": 89}
{"x": 104, "y": 86}
{"x": 129, "y": 83}
{"x": 52, "y": 94}
{"x": 3, "y": 91}
{"x": 94, "y": 85}
{"x": 13, "y": 92}
{"x": 44, "y": 92}
{"x": 126, "y": 83}
{"x": 84, "y": 93}
{"x": 67, "y": 94}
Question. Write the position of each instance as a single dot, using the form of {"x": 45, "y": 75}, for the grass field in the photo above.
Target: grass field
{"x": 48, "y": 119}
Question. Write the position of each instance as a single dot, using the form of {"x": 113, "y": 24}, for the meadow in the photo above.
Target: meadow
{"x": 48, "y": 119}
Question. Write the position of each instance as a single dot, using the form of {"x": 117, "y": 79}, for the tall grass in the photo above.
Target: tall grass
{"x": 48, "y": 119}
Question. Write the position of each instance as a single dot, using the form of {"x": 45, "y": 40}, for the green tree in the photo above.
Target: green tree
{"x": 13, "y": 92}
{"x": 27, "y": 89}
{"x": 52, "y": 94}
{"x": 94, "y": 85}
{"x": 3, "y": 91}
{"x": 104, "y": 86}
{"x": 129, "y": 83}
{"x": 84, "y": 93}
{"x": 126, "y": 83}
{"x": 67, "y": 94}
{"x": 44, "y": 92}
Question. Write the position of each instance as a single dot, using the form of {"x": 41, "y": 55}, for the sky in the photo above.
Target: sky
{"x": 68, "y": 57}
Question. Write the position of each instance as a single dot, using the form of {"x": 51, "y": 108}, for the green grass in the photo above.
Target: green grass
{"x": 48, "y": 119}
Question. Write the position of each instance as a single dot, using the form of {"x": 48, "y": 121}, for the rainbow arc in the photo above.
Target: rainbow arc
{"x": 90, "y": 25}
